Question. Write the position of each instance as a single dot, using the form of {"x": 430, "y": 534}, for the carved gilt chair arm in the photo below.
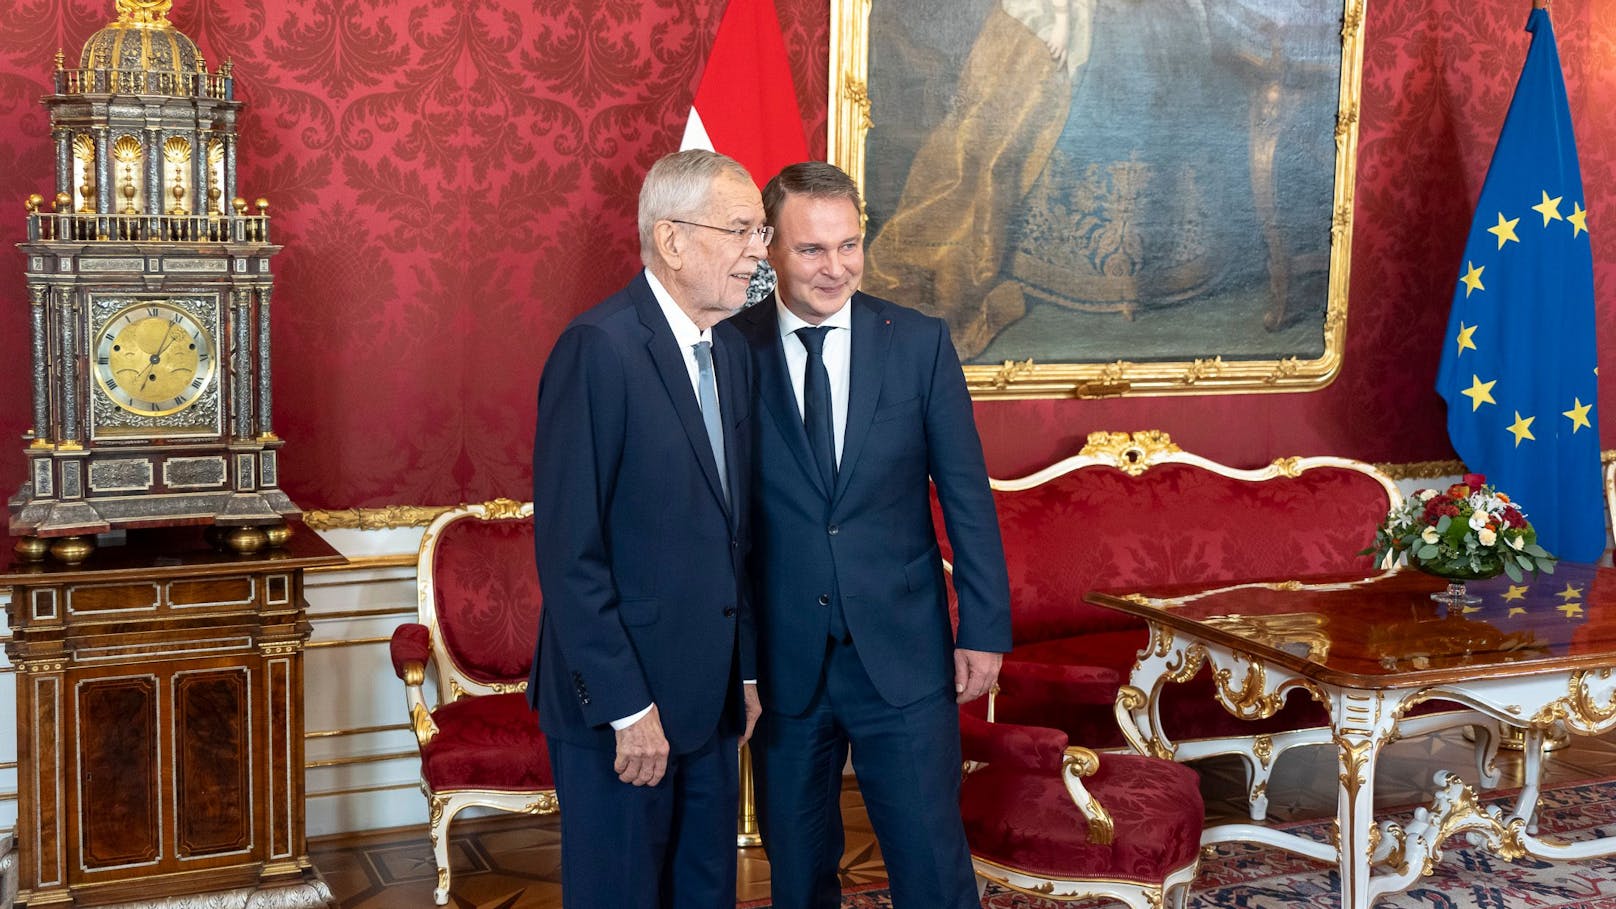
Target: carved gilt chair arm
{"x": 1076, "y": 763}
{"x": 410, "y": 649}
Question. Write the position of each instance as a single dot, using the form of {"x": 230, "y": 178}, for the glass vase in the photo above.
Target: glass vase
{"x": 1455, "y": 595}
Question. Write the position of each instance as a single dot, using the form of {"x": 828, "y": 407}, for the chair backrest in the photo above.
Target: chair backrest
{"x": 1133, "y": 509}
{"x": 478, "y": 593}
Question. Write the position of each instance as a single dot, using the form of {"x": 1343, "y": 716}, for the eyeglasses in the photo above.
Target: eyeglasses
{"x": 744, "y": 234}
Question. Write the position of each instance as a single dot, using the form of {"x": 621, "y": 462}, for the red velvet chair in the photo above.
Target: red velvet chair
{"x": 1133, "y": 510}
{"x": 1065, "y": 823}
{"x": 478, "y": 608}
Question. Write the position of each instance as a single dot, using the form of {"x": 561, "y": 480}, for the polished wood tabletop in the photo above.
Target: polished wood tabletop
{"x": 1382, "y": 630}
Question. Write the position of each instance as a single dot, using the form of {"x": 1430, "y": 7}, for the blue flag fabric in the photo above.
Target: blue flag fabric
{"x": 1519, "y": 366}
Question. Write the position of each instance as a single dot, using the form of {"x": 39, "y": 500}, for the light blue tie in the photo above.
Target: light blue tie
{"x": 707, "y": 394}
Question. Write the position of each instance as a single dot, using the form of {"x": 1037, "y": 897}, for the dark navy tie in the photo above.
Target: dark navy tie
{"x": 816, "y": 415}
{"x": 816, "y": 418}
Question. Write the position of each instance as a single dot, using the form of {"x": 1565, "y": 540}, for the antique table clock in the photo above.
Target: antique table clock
{"x": 149, "y": 301}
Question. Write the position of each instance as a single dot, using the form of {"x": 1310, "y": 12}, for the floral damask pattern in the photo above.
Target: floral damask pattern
{"x": 455, "y": 179}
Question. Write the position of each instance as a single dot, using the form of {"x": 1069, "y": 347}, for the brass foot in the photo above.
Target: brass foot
{"x": 278, "y": 534}
{"x": 31, "y": 549}
{"x": 71, "y": 550}
{"x": 246, "y": 539}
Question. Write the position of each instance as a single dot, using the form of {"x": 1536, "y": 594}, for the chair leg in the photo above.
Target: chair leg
{"x": 438, "y": 829}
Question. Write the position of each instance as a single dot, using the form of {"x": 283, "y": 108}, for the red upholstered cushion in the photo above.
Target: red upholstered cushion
{"x": 488, "y": 597}
{"x": 488, "y": 742}
{"x": 1097, "y": 527}
{"x": 1026, "y": 821}
{"x": 411, "y": 644}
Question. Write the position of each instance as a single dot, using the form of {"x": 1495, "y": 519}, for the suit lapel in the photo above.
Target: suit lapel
{"x": 872, "y": 336}
{"x": 733, "y": 406}
{"x": 774, "y": 386}
{"x": 670, "y": 364}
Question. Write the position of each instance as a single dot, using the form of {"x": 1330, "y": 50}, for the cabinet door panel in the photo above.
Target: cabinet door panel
{"x": 120, "y": 810}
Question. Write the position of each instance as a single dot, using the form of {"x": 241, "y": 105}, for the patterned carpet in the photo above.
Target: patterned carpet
{"x": 1243, "y": 876}
{"x": 513, "y": 862}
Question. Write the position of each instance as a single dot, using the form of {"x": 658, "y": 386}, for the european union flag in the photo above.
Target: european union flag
{"x": 1519, "y": 368}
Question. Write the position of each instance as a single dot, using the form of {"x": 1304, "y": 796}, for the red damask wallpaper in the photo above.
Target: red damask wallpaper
{"x": 454, "y": 179}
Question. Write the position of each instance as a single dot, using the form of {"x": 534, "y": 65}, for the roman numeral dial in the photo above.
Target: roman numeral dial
{"x": 154, "y": 358}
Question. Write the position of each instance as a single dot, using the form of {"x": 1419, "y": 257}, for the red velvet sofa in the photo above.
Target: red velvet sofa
{"x": 1134, "y": 510}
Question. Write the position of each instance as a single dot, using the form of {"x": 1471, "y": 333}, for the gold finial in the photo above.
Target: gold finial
{"x": 239, "y": 204}
{"x": 64, "y": 202}
{"x": 227, "y": 68}
{"x": 263, "y": 205}
{"x": 143, "y": 12}
{"x": 33, "y": 203}
{"x": 61, "y": 59}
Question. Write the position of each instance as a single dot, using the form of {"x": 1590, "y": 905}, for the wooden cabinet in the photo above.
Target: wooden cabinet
{"x": 160, "y": 723}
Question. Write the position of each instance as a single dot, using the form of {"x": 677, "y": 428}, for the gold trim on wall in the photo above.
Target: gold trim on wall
{"x": 849, "y": 121}
{"x": 363, "y": 759}
{"x": 358, "y": 730}
{"x": 386, "y": 517}
{"x": 362, "y": 563}
{"x": 347, "y": 642}
{"x": 360, "y": 790}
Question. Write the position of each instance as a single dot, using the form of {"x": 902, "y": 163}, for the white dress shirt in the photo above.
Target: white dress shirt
{"x": 838, "y": 361}
{"x": 685, "y": 332}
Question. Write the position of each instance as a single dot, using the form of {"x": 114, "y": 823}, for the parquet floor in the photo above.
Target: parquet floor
{"x": 514, "y": 862}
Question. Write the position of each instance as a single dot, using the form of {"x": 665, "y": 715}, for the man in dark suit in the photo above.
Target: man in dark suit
{"x": 641, "y": 493}
{"x": 860, "y": 402}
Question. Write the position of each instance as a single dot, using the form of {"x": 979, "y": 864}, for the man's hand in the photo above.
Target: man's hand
{"x": 642, "y": 751}
{"x": 754, "y": 709}
{"x": 975, "y": 671}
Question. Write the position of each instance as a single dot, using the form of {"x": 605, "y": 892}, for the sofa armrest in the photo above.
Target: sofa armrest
{"x": 1026, "y": 747}
{"x": 410, "y": 649}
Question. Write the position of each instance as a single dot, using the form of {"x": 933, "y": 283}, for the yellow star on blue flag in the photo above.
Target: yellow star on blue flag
{"x": 1537, "y": 319}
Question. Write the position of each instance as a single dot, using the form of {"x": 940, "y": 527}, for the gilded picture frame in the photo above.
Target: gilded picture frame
{"x": 1140, "y": 197}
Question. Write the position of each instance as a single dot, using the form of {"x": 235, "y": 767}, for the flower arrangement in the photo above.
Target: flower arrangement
{"x": 1470, "y": 531}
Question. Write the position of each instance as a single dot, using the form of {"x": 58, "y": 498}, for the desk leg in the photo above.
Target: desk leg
{"x": 1363, "y": 723}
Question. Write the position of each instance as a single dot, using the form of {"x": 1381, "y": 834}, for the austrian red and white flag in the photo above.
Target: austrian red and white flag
{"x": 746, "y": 105}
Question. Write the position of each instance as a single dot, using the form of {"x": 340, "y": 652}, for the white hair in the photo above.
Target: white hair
{"x": 677, "y": 186}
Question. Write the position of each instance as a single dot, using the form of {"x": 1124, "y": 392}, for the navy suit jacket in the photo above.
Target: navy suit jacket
{"x": 871, "y": 540}
{"x": 640, "y": 560}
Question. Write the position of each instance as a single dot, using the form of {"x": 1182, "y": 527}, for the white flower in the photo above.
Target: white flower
{"x": 1426, "y": 495}
{"x": 1487, "y": 536}
{"x": 1517, "y": 542}
{"x": 1478, "y": 519}
{"x": 1430, "y": 535}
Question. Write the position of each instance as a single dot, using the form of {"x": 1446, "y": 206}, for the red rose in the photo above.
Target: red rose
{"x": 1475, "y": 480}
{"x": 1514, "y": 518}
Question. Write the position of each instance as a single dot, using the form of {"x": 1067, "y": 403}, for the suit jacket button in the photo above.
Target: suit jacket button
{"x": 824, "y": 599}
{"x": 729, "y": 611}
{"x": 833, "y": 529}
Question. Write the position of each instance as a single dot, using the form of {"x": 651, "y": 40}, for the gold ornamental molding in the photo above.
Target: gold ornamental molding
{"x": 387, "y": 517}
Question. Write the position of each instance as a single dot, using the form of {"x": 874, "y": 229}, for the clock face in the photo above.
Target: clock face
{"x": 154, "y": 358}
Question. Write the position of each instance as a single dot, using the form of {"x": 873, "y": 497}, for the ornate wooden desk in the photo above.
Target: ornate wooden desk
{"x": 1538, "y": 655}
{"x": 160, "y": 723}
